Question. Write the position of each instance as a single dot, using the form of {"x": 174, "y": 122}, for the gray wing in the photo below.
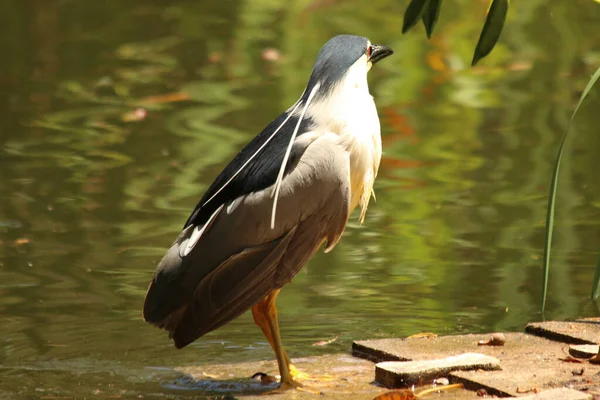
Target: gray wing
{"x": 238, "y": 259}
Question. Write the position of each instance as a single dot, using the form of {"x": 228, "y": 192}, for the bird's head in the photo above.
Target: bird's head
{"x": 344, "y": 57}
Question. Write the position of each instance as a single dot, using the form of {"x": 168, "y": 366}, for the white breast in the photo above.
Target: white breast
{"x": 362, "y": 139}
{"x": 350, "y": 112}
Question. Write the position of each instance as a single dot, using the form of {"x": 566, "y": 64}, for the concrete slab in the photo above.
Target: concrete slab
{"x": 528, "y": 362}
{"x": 514, "y": 381}
{"x": 559, "y": 394}
{"x": 379, "y": 350}
{"x": 580, "y": 331}
{"x": 397, "y": 374}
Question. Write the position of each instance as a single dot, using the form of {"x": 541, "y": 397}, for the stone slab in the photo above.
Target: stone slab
{"x": 527, "y": 361}
{"x": 515, "y": 381}
{"x": 398, "y": 374}
{"x": 559, "y": 394}
{"x": 579, "y": 331}
{"x": 410, "y": 349}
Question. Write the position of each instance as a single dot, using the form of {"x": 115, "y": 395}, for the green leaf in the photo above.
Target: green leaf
{"x": 430, "y": 16}
{"x": 491, "y": 29}
{"x": 413, "y": 13}
{"x": 552, "y": 197}
{"x": 596, "y": 283}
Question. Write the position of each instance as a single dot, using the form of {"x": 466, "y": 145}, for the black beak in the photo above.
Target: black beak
{"x": 379, "y": 52}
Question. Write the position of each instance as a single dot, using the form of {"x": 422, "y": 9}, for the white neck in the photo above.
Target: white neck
{"x": 346, "y": 101}
{"x": 349, "y": 111}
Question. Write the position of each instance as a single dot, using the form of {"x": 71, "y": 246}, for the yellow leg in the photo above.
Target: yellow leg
{"x": 266, "y": 317}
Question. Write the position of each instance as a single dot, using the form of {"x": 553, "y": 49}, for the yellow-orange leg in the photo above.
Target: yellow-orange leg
{"x": 266, "y": 317}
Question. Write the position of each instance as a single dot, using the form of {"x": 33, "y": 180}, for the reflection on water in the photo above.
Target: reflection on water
{"x": 117, "y": 115}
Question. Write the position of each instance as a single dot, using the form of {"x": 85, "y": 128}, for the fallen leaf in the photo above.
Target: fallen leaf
{"x": 571, "y": 360}
{"x": 326, "y": 342}
{"x": 265, "y": 379}
{"x": 497, "y": 339}
{"x": 397, "y": 395}
{"x": 533, "y": 389}
{"x": 211, "y": 376}
{"x": 422, "y": 335}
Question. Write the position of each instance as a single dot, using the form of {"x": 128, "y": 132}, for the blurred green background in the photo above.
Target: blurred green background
{"x": 116, "y": 115}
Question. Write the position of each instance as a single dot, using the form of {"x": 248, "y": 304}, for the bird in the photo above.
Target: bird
{"x": 291, "y": 189}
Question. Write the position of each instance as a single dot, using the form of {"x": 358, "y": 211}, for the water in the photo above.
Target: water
{"x": 117, "y": 115}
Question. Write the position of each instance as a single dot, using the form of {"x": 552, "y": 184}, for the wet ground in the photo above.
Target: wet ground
{"x": 535, "y": 361}
{"x": 333, "y": 376}
{"x": 115, "y": 117}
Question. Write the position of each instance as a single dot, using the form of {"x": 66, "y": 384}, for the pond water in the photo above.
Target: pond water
{"x": 117, "y": 115}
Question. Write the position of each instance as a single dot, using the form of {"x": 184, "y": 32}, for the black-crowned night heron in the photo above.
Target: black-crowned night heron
{"x": 287, "y": 192}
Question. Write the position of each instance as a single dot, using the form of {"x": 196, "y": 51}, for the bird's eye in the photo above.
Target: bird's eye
{"x": 369, "y": 51}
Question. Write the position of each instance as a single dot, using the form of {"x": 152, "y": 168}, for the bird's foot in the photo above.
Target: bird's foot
{"x": 302, "y": 376}
{"x": 292, "y": 384}
{"x": 296, "y": 375}
{"x": 292, "y": 381}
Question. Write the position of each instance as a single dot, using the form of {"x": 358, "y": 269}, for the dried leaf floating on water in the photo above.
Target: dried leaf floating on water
{"x": 326, "y": 342}
{"x": 138, "y": 114}
{"x": 270, "y": 54}
{"x": 166, "y": 98}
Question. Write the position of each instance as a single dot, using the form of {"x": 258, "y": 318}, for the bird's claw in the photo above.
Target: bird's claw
{"x": 296, "y": 374}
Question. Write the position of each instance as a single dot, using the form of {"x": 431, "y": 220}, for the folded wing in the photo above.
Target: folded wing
{"x": 215, "y": 272}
